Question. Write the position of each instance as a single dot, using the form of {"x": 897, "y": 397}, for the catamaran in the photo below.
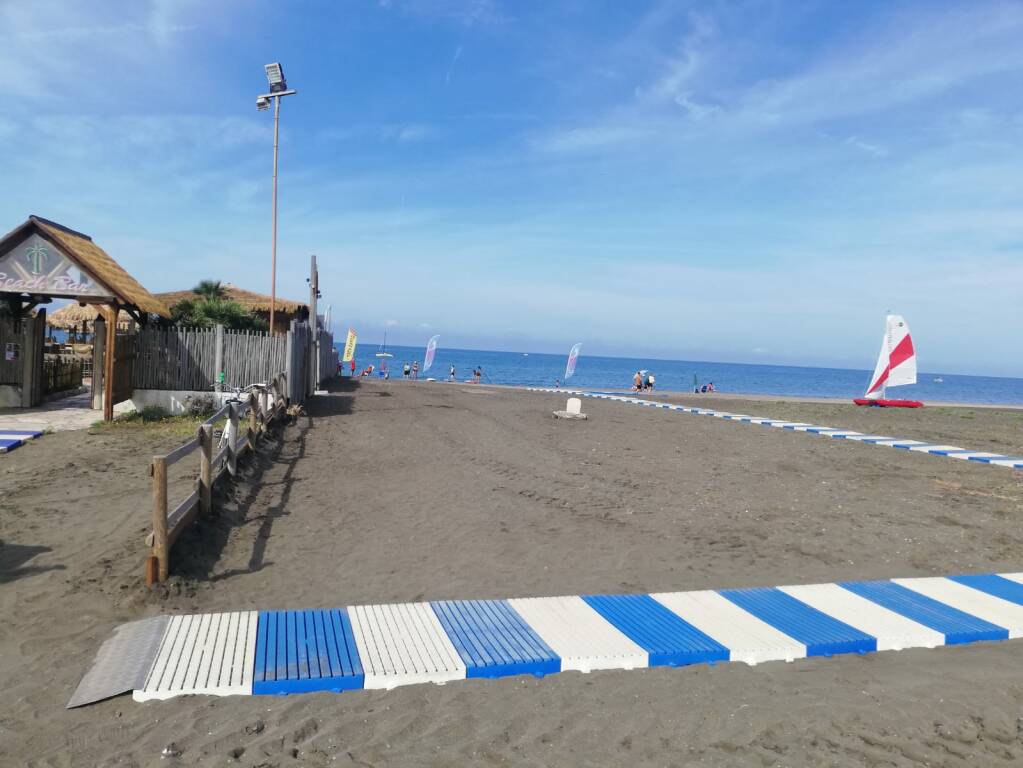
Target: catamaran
{"x": 896, "y": 366}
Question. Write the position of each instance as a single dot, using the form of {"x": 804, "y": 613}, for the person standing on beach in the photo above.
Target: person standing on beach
{"x": 415, "y": 370}
{"x": 477, "y": 375}
{"x": 351, "y": 368}
{"x": 451, "y": 374}
{"x": 637, "y": 382}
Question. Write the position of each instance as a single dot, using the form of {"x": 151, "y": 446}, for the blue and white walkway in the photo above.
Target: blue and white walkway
{"x": 917, "y": 446}
{"x": 385, "y": 646}
{"x": 15, "y": 438}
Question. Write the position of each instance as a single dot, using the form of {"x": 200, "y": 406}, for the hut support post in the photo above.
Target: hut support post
{"x": 108, "y": 366}
{"x": 160, "y": 548}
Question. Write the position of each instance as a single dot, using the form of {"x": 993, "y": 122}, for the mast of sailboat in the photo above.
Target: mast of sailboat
{"x": 888, "y": 351}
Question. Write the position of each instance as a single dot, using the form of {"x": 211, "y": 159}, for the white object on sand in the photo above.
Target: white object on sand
{"x": 573, "y": 410}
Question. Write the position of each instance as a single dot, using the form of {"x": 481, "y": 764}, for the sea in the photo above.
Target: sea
{"x": 538, "y": 369}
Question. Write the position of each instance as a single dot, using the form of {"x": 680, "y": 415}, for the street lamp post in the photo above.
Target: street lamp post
{"x": 278, "y": 88}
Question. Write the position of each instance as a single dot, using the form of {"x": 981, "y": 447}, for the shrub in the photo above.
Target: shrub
{"x": 201, "y": 406}
{"x": 154, "y": 413}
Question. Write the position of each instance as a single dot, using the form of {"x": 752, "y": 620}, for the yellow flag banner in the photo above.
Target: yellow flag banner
{"x": 349, "y": 346}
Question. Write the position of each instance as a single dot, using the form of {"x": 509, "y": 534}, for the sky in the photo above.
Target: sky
{"x": 752, "y": 181}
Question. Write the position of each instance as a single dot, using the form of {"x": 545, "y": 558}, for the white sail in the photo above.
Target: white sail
{"x": 896, "y": 364}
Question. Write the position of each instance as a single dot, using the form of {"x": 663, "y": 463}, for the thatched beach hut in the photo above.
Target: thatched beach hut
{"x": 72, "y": 316}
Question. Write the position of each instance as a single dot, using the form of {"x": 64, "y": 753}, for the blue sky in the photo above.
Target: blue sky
{"x": 747, "y": 181}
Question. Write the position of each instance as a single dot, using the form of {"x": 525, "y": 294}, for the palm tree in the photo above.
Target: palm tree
{"x": 210, "y": 289}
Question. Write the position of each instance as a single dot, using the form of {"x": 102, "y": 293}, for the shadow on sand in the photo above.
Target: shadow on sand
{"x": 239, "y": 503}
{"x": 13, "y": 558}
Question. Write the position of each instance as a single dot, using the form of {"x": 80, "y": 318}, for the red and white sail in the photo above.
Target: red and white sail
{"x": 896, "y": 365}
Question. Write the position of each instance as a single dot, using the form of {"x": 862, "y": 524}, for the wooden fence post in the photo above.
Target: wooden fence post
{"x": 218, "y": 358}
{"x": 232, "y": 454}
{"x": 160, "y": 549}
{"x": 205, "y": 470}
{"x": 253, "y": 420}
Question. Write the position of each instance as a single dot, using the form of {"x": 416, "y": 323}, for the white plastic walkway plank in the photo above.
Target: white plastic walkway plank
{"x": 930, "y": 448}
{"x": 403, "y": 644}
{"x": 899, "y": 443}
{"x": 211, "y": 654}
{"x": 1014, "y": 463}
{"x": 893, "y": 632}
{"x": 583, "y": 639}
{"x": 868, "y": 438}
{"x": 746, "y": 637}
{"x": 992, "y": 609}
{"x": 975, "y": 455}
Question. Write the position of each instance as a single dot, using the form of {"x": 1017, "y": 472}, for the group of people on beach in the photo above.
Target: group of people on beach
{"x": 642, "y": 380}
{"x": 411, "y": 371}
{"x": 705, "y": 388}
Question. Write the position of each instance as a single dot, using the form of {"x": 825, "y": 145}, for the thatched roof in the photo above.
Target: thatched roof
{"x": 73, "y": 315}
{"x": 90, "y": 258}
{"x": 254, "y": 302}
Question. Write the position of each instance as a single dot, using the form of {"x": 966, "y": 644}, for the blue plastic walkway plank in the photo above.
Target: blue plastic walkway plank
{"x": 493, "y": 640}
{"x": 301, "y": 651}
{"x": 821, "y": 634}
{"x": 670, "y": 640}
{"x": 957, "y": 626}
{"x": 999, "y": 586}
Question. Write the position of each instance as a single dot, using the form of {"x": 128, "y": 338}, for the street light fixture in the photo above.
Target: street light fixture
{"x": 278, "y": 88}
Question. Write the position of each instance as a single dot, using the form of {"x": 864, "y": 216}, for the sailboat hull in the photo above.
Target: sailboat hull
{"x": 883, "y": 403}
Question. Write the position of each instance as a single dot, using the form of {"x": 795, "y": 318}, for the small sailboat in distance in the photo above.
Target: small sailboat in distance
{"x": 896, "y": 366}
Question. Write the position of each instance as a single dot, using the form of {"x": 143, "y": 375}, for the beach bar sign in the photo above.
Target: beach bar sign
{"x": 35, "y": 265}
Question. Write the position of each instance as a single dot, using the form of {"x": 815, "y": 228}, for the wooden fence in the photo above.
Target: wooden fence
{"x": 11, "y": 342}
{"x": 190, "y": 359}
{"x": 169, "y": 523}
{"x": 61, "y": 373}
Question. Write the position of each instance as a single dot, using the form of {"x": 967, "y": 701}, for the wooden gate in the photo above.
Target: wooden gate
{"x": 125, "y": 354}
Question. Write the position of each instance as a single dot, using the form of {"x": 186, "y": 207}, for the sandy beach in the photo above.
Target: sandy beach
{"x": 397, "y": 491}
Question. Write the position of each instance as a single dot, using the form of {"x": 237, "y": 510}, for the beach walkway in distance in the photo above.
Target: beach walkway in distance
{"x": 387, "y": 646}
{"x": 917, "y": 446}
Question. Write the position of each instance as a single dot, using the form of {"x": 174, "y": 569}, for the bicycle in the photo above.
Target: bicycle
{"x": 229, "y": 436}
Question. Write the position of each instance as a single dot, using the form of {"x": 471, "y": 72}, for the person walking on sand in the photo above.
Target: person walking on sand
{"x": 415, "y": 370}
{"x": 451, "y": 374}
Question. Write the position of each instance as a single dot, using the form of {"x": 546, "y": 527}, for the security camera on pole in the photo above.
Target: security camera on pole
{"x": 278, "y": 88}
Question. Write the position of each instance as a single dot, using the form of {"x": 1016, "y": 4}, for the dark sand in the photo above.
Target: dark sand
{"x": 411, "y": 492}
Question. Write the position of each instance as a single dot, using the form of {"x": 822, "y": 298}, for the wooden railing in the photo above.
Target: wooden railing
{"x": 169, "y": 523}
